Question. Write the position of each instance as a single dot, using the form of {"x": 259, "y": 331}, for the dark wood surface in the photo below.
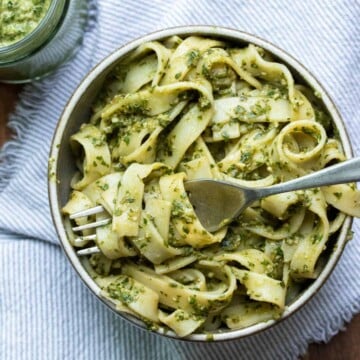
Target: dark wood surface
{"x": 344, "y": 346}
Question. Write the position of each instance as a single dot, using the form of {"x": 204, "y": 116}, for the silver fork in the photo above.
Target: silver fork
{"x": 92, "y": 211}
{"x": 216, "y": 202}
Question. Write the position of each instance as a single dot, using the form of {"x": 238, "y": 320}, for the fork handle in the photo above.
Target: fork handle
{"x": 345, "y": 172}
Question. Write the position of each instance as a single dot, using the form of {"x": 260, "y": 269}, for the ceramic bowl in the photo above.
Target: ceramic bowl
{"x": 77, "y": 112}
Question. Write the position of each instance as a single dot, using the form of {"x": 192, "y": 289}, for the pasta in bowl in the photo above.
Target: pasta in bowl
{"x": 200, "y": 103}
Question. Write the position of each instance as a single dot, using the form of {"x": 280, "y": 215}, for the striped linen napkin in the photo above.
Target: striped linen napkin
{"x": 45, "y": 311}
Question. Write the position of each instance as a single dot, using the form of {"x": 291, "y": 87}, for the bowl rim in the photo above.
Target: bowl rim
{"x": 108, "y": 61}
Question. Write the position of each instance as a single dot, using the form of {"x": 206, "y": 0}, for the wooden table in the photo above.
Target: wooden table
{"x": 344, "y": 346}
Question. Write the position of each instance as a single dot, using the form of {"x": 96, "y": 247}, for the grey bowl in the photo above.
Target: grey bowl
{"x": 77, "y": 112}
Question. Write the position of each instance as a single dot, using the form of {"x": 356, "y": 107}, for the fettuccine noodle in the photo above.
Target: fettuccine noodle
{"x": 193, "y": 108}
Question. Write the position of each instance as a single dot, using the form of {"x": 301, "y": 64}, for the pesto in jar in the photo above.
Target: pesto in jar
{"x": 18, "y": 18}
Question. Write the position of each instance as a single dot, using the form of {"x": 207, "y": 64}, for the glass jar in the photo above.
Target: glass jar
{"x": 53, "y": 41}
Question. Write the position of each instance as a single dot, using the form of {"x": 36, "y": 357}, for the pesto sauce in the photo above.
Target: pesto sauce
{"x": 18, "y": 18}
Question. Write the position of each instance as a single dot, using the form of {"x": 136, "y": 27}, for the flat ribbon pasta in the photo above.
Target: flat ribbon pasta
{"x": 97, "y": 161}
{"x": 182, "y": 109}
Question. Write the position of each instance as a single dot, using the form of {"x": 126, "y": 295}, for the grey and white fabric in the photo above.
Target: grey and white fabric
{"x": 45, "y": 310}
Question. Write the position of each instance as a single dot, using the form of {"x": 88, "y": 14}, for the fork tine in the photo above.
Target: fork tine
{"x": 80, "y": 239}
{"x": 91, "y": 225}
{"x": 87, "y": 212}
{"x": 88, "y": 251}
